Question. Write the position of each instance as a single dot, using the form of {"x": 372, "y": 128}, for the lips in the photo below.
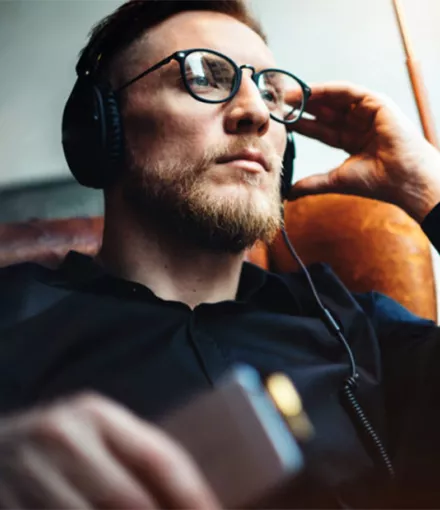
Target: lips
{"x": 247, "y": 155}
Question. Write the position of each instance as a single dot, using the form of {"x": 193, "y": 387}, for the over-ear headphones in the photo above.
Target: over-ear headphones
{"x": 288, "y": 166}
{"x": 92, "y": 135}
{"x": 93, "y": 139}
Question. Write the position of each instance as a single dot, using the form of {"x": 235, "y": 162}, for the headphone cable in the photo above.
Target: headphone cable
{"x": 367, "y": 430}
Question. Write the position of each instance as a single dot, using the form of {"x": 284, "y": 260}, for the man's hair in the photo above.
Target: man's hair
{"x": 118, "y": 31}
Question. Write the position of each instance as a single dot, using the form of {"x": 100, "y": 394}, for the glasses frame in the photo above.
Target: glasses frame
{"x": 181, "y": 56}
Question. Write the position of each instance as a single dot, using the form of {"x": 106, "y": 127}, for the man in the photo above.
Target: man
{"x": 168, "y": 306}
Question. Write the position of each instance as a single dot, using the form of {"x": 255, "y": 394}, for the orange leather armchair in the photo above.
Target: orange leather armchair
{"x": 370, "y": 245}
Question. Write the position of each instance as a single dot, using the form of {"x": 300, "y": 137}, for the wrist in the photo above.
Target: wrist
{"x": 422, "y": 200}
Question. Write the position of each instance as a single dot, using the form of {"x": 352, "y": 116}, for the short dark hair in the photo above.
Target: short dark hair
{"x": 128, "y": 23}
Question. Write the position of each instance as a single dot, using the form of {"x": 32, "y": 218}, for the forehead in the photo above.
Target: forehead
{"x": 206, "y": 29}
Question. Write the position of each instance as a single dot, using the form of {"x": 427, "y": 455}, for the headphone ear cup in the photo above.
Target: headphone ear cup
{"x": 93, "y": 140}
{"x": 288, "y": 166}
{"x": 115, "y": 137}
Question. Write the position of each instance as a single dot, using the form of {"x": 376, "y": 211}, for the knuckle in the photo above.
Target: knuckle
{"x": 174, "y": 460}
{"x": 162, "y": 461}
{"x": 95, "y": 407}
{"x": 60, "y": 423}
{"x": 52, "y": 426}
{"x": 163, "y": 454}
{"x": 88, "y": 402}
{"x": 334, "y": 179}
{"x": 385, "y": 101}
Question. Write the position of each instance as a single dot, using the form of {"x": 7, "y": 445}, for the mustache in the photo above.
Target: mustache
{"x": 274, "y": 161}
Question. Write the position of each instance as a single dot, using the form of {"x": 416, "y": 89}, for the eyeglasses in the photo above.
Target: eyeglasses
{"x": 212, "y": 77}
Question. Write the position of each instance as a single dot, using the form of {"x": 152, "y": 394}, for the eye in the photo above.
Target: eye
{"x": 200, "y": 81}
{"x": 267, "y": 95}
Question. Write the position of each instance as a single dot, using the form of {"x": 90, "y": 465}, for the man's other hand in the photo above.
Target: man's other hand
{"x": 88, "y": 452}
{"x": 390, "y": 160}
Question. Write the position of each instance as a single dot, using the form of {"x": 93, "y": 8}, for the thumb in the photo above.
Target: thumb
{"x": 356, "y": 176}
{"x": 317, "y": 184}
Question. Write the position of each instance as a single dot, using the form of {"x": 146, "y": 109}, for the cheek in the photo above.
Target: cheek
{"x": 279, "y": 136}
{"x": 180, "y": 129}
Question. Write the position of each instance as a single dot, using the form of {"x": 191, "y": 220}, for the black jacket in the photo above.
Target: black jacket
{"x": 77, "y": 328}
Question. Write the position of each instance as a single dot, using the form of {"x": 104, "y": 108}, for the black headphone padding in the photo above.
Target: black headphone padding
{"x": 288, "y": 166}
{"x": 93, "y": 139}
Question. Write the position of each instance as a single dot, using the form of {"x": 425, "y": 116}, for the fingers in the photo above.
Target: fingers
{"x": 318, "y": 131}
{"x": 33, "y": 482}
{"x": 103, "y": 479}
{"x": 318, "y": 184}
{"x": 342, "y": 104}
{"x": 355, "y": 176}
{"x": 91, "y": 453}
{"x": 322, "y": 184}
{"x": 325, "y": 115}
{"x": 70, "y": 444}
{"x": 157, "y": 460}
{"x": 340, "y": 125}
{"x": 358, "y": 116}
{"x": 345, "y": 95}
{"x": 335, "y": 129}
{"x": 338, "y": 93}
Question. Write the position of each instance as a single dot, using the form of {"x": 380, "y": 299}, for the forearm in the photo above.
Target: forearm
{"x": 420, "y": 195}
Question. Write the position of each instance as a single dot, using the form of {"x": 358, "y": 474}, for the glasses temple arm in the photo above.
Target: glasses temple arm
{"x": 144, "y": 73}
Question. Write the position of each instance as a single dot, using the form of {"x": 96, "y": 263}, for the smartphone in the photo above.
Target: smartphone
{"x": 238, "y": 438}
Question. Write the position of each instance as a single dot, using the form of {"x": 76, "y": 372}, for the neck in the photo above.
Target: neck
{"x": 169, "y": 267}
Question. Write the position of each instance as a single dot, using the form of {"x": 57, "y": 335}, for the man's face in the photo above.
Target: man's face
{"x": 176, "y": 145}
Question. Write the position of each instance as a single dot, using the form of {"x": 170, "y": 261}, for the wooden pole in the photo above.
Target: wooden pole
{"x": 415, "y": 74}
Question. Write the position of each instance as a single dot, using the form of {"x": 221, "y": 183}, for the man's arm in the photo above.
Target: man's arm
{"x": 389, "y": 159}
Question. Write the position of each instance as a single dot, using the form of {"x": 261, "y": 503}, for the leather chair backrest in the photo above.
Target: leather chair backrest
{"x": 48, "y": 241}
{"x": 370, "y": 245}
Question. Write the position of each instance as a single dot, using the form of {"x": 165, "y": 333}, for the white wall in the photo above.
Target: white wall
{"x": 318, "y": 40}
{"x": 39, "y": 42}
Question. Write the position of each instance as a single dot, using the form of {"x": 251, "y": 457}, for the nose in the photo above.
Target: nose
{"x": 247, "y": 113}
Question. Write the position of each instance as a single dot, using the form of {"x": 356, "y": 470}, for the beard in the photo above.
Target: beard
{"x": 176, "y": 197}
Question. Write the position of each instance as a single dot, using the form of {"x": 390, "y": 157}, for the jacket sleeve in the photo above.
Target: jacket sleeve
{"x": 410, "y": 348}
{"x": 431, "y": 227}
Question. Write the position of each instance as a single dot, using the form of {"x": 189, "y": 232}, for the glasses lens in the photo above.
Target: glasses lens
{"x": 282, "y": 94}
{"x": 209, "y": 76}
